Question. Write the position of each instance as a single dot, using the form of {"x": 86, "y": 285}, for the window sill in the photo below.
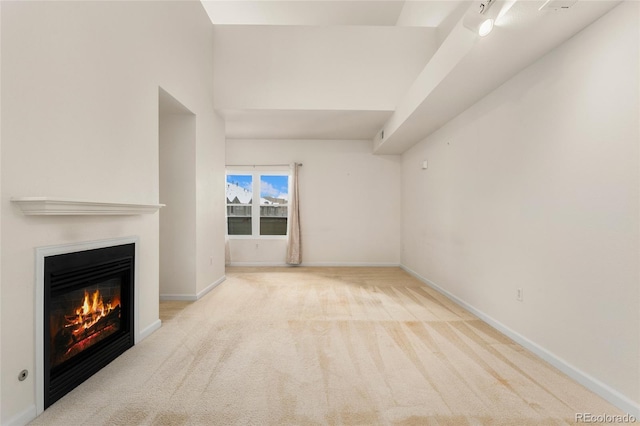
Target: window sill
{"x": 257, "y": 237}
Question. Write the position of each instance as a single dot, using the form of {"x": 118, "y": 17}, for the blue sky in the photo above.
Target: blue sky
{"x": 271, "y": 186}
{"x": 274, "y": 186}
{"x": 243, "y": 181}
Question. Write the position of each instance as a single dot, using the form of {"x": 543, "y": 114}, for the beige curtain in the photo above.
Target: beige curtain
{"x": 294, "y": 245}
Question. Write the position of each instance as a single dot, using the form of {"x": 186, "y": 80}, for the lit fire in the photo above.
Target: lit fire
{"x": 92, "y": 310}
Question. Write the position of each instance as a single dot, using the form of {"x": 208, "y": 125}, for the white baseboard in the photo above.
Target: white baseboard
{"x": 148, "y": 331}
{"x": 21, "y": 419}
{"x": 192, "y": 297}
{"x": 179, "y": 297}
{"x": 605, "y": 391}
{"x": 352, "y": 264}
{"x": 210, "y": 287}
{"x": 318, "y": 264}
{"x": 258, "y": 264}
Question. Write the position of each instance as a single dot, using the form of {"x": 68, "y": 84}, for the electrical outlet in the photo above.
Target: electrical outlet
{"x": 211, "y": 260}
{"x": 519, "y": 294}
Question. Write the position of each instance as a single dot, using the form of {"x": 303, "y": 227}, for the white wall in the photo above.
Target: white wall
{"x": 210, "y": 203}
{"x": 331, "y": 68}
{"x": 349, "y": 202}
{"x": 178, "y": 192}
{"x": 536, "y": 187}
{"x": 80, "y": 120}
{"x": 0, "y": 209}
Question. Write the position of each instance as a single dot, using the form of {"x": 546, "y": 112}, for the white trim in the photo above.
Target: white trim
{"x": 178, "y": 297}
{"x": 258, "y": 237}
{"x": 258, "y": 264}
{"x": 605, "y": 391}
{"x": 318, "y": 264}
{"x": 353, "y": 264}
{"x": 193, "y": 297}
{"x": 40, "y": 254}
{"x": 256, "y": 184}
{"x": 211, "y": 287}
{"x": 46, "y": 206}
{"x": 148, "y": 331}
{"x": 23, "y": 418}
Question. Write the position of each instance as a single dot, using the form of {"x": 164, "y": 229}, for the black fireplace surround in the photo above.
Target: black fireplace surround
{"x": 88, "y": 314}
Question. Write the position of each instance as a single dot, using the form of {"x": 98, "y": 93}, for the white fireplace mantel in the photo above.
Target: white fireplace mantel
{"x": 46, "y": 206}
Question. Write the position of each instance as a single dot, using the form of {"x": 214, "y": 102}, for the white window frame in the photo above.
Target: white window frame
{"x": 255, "y": 173}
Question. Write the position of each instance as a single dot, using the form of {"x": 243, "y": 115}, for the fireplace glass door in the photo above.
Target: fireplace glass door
{"x": 88, "y": 314}
{"x": 81, "y": 318}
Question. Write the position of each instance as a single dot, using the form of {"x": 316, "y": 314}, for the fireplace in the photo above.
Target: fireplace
{"x": 88, "y": 314}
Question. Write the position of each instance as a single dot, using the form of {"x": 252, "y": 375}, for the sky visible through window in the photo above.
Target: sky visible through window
{"x": 243, "y": 181}
{"x": 276, "y": 186}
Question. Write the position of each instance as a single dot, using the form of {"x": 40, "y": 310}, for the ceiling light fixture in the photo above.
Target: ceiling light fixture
{"x": 477, "y": 21}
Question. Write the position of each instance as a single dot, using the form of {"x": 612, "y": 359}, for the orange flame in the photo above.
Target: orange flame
{"x": 91, "y": 311}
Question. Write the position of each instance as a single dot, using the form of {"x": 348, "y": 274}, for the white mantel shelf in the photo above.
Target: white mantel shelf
{"x": 47, "y": 206}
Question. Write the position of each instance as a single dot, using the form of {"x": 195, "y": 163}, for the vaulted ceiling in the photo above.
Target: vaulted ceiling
{"x": 353, "y": 69}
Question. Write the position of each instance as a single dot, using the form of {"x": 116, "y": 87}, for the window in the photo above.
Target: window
{"x": 239, "y": 204}
{"x": 263, "y": 215}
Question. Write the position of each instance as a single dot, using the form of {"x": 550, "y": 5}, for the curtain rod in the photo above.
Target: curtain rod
{"x": 260, "y": 165}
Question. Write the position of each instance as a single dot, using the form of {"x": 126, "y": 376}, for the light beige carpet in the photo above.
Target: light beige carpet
{"x": 324, "y": 346}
